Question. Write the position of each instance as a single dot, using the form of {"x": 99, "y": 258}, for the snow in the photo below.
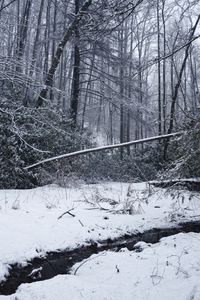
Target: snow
{"x": 169, "y": 269}
{"x": 30, "y": 226}
{"x": 197, "y": 179}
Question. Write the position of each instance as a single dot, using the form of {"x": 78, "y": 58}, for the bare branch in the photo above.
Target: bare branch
{"x": 67, "y": 212}
{"x": 6, "y": 5}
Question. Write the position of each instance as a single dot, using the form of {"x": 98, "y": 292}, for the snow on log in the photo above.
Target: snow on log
{"x": 192, "y": 184}
{"x": 108, "y": 147}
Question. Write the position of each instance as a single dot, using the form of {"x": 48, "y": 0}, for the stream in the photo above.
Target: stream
{"x": 60, "y": 262}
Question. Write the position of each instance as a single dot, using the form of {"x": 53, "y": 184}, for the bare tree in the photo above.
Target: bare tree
{"x": 59, "y": 51}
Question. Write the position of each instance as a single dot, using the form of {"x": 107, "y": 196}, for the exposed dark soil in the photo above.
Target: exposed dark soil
{"x": 60, "y": 262}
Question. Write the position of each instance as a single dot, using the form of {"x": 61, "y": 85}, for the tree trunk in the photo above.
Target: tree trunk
{"x": 177, "y": 86}
{"x": 47, "y": 39}
{"x": 22, "y": 35}
{"x": 53, "y": 42}
{"x": 159, "y": 72}
{"x": 121, "y": 72}
{"x": 35, "y": 46}
{"x": 59, "y": 51}
{"x": 76, "y": 73}
{"x": 164, "y": 67}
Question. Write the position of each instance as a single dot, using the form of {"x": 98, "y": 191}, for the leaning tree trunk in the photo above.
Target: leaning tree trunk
{"x": 176, "y": 89}
{"x": 59, "y": 51}
{"x": 177, "y": 86}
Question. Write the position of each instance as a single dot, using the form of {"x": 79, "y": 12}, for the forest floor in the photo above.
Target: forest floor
{"x": 51, "y": 218}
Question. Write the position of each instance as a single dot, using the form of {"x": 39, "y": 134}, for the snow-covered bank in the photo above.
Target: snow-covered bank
{"x": 30, "y": 224}
{"x": 169, "y": 269}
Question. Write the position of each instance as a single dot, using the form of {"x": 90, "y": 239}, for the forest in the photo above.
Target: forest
{"x": 77, "y": 75}
{"x": 100, "y": 132}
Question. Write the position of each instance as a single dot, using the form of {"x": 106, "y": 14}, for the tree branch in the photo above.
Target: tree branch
{"x": 6, "y": 5}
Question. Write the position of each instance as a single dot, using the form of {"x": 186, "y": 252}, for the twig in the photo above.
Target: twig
{"x": 81, "y": 223}
{"x": 117, "y": 269}
{"x": 85, "y": 261}
{"x": 67, "y": 212}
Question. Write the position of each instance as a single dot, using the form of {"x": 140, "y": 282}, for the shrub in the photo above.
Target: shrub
{"x": 184, "y": 153}
{"x": 28, "y": 135}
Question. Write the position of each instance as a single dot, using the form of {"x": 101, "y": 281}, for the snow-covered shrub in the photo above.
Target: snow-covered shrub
{"x": 184, "y": 153}
{"x": 28, "y": 135}
{"x": 138, "y": 166}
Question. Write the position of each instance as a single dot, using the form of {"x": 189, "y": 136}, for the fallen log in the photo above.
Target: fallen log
{"x": 108, "y": 147}
{"x": 189, "y": 184}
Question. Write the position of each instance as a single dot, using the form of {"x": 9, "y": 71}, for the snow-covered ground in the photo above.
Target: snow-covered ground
{"x": 30, "y": 226}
